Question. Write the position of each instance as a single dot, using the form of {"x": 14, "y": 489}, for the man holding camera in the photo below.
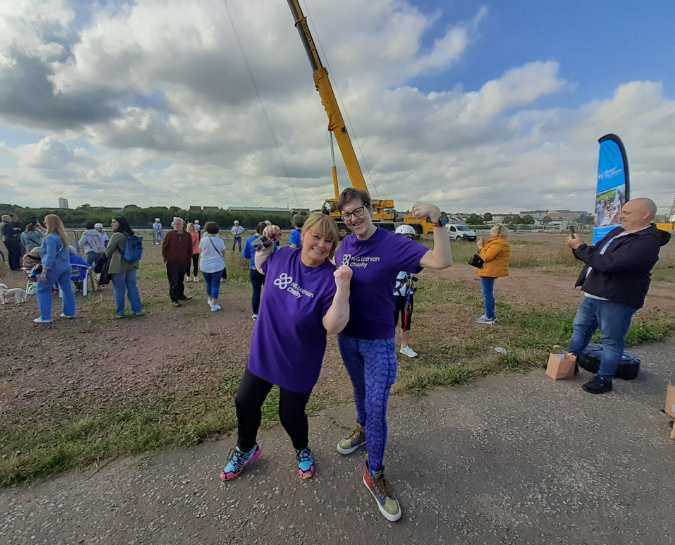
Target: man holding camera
{"x": 615, "y": 281}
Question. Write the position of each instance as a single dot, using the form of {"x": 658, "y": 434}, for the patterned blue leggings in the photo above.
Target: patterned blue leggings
{"x": 371, "y": 365}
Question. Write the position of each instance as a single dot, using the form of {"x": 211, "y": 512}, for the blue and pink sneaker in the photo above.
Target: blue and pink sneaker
{"x": 306, "y": 466}
{"x": 237, "y": 461}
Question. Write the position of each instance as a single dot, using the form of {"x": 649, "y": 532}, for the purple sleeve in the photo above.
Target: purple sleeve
{"x": 409, "y": 254}
{"x": 327, "y": 299}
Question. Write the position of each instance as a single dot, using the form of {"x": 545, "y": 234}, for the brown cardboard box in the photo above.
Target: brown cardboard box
{"x": 670, "y": 401}
{"x": 561, "y": 366}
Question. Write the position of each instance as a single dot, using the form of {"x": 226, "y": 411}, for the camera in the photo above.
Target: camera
{"x": 262, "y": 242}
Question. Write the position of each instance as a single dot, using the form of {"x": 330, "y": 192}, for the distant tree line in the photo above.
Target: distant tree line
{"x": 144, "y": 217}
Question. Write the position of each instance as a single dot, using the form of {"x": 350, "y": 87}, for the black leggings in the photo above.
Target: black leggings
{"x": 195, "y": 265}
{"x": 257, "y": 281}
{"x": 250, "y": 398}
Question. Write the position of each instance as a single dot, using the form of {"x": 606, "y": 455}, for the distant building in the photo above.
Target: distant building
{"x": 500, "y": 218}
{"x": 538, "y": 215}
{"x": 63, "y": 203}
{"x": 257, "y": 209}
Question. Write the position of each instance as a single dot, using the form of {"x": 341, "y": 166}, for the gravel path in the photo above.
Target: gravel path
{"x": 509, "y": 459}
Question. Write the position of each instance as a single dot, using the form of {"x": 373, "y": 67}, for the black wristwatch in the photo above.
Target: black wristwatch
{"x": 442, "y": 220}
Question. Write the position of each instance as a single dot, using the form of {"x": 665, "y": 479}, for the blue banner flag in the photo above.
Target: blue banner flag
{"x": 613, "y": 185}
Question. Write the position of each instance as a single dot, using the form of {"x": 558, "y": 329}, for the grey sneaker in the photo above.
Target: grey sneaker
{"x": 486, "y": 321}
{"x": 353, "y": 442}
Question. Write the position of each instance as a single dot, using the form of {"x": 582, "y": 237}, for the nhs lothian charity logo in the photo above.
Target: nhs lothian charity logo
{"x": 285, "y": 283}
{"x": 359, "y": 262}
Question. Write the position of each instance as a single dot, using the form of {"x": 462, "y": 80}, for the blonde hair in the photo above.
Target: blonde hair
{"x": 55, "y": 225}
{"x": 190, "y": 227}
{"x": 499, "y": 230}
{"x": 324, "y": 226}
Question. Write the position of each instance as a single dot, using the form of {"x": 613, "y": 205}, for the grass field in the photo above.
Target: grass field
{"x": 83, "y": 401}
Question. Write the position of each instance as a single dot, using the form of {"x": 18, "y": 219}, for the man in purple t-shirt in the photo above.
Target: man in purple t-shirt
{"x": 367, "y": 343}
{"x": 305, "y": 298}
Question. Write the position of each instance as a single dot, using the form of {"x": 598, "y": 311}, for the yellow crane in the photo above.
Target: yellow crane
{"x": 669, "y": 223}
{"x": 384, "y": 213}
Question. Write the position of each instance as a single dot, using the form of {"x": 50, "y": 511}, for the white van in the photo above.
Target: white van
{"x": 460, "y": 231}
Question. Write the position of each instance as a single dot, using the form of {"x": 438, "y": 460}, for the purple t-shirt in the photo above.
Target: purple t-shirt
{"x": 375, "y": 263}
{"x": 289, "y": 340}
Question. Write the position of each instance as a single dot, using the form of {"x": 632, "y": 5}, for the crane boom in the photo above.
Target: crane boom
{"x": 336, "y": 122}
{"x": 383, "y": 210}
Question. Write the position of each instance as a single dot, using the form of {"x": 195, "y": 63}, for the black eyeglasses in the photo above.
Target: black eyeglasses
{"x": 356, "y": 213}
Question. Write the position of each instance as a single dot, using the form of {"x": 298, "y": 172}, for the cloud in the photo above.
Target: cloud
{"x": 152, "y": 102}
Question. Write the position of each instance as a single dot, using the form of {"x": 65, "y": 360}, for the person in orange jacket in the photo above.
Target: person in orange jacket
{"x": 496, "y": 253}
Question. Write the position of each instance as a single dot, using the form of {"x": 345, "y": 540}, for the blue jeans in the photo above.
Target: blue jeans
{"x": 44, "y": 293}
{"x": 371, "y": 365}
{"x": 487, "y": 286}
{"x": 126, "y": 282}
{"x": 613, "y": 319}
{"x": 212, "y": 281}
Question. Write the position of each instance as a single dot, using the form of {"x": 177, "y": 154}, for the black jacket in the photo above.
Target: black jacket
{"x": 622, "y": 274}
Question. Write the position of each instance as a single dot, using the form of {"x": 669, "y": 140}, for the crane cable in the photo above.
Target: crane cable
{"x": 268, "y": 121}
{"x": 337, "y": 97}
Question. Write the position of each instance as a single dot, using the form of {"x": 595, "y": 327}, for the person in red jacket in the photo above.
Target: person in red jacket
{"x": 176, "y": 252}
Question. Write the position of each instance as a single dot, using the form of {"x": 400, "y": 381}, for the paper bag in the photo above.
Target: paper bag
{"x": 670, "y": 401}
{"x": 561, "y": 366}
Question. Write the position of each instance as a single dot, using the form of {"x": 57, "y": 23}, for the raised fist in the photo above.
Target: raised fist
{"x": 343, "y": 276}
{"x": 425, "y": 210}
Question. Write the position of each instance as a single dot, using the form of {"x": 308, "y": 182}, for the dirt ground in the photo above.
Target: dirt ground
{"x": 48, "y": 374}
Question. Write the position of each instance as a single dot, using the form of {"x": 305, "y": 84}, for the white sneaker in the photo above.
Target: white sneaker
{"x": 62, "y": 315}
{"x": 485, "y": 321}
{"x": 216, "y": 307}
{"x": 254, "y": 316}
{"x": 41, "y": 321}
{"x": 407, "y": 351}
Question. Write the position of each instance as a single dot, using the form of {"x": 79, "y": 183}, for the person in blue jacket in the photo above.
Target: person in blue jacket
{"x": 255, "y": 277}
{"x": 55, "y": 270}
{"x": 295, "y": 241}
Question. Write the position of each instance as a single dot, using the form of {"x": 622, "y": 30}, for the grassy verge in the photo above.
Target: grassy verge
{"x": 526, "y": 333}
{"x": 106, "y": 434}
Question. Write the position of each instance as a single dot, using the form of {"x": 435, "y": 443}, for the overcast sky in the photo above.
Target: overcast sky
{"x": 475, "y": 106}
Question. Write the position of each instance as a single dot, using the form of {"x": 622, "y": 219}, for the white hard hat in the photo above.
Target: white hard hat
{"x": 236, "y": 222}
{"x": 98, "y": 226}
{"x": 406, "y": 230}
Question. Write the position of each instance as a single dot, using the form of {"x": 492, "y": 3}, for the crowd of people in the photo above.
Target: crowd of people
{"x": 358, "y": 288}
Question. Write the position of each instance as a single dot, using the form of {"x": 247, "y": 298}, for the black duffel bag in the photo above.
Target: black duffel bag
{"x": 589, "y": 359}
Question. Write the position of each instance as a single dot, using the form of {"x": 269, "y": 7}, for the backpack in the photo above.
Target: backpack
{"x": 589, "y": 359}
{"x": 133, "y": 250}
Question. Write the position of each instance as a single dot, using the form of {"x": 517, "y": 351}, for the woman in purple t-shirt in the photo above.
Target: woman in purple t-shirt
{"x": 305, "y": 298}
{"x": 367, "y": 342}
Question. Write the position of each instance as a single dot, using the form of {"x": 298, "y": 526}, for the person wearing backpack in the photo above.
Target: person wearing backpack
{"x": 212, "y": 263}
{"x": 124, "y": 253}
